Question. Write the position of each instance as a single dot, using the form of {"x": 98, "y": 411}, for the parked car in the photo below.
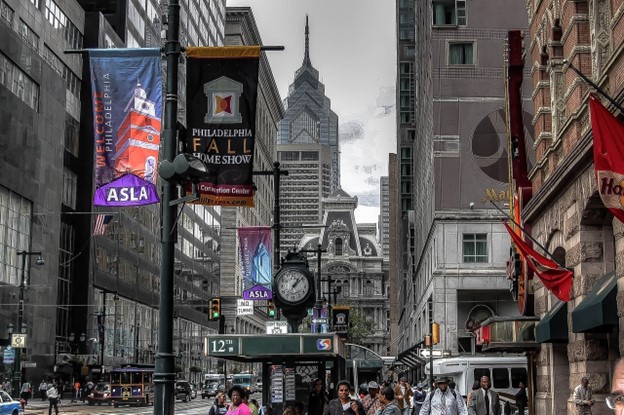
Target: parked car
{"x": 101, "y": 394}
{"x": 183, "y": 390}
{"x": 193, "y": 391}
{"x": 8, "y": 405}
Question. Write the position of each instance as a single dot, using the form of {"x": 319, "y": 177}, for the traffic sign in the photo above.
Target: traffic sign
{"x": 276, "y": 327}
{"x": 244, "y": 307}
{"x": 18, "y": 340}
{"x": 425, "y": 353}
{"x": 319, "y": 321}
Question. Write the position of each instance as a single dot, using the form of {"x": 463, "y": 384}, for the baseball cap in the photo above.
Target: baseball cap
{"x": 373, "y": 385}
{"x": 441, "y": 380}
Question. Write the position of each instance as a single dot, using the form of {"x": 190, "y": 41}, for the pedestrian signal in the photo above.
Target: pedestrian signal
{"x": 271, "y": 309}
{"x": 215, "y": 309}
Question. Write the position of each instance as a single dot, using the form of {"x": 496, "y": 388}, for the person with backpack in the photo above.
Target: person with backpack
{"x": 219, "y": 407}
{"x": 443, "y": 401}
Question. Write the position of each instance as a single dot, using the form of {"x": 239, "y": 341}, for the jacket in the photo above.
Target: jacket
{"x": 477, "y": 405}
{"x": 407, "y": 396}
{"x": 335, "y": 408}
{"x": 391, "y": 409}
{"x": 454, "y": 404}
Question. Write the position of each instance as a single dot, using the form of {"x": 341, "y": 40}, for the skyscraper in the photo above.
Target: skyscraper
{"x": 308, "y": 148}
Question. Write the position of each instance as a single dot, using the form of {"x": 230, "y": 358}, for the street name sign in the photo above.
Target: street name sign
{"x": 222, "y": 346}
{"x": 244, "y": 307}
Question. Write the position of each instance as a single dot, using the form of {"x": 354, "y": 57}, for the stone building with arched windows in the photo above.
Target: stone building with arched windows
{"x": 352, "y": 266}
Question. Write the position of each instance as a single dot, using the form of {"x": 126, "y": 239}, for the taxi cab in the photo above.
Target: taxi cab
{"x": 8, "y": 406}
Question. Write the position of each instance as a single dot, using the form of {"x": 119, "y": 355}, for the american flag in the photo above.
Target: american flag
{"x": 101, "y": 224}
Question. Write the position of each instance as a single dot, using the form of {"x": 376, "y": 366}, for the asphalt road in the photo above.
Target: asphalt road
{"x": 197, "y": 406}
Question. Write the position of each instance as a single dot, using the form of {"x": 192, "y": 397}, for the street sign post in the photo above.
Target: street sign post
{"x": 244, "y": 307}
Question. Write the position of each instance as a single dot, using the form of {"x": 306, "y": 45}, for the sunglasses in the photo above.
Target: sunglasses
{"x": 615, "y": 400}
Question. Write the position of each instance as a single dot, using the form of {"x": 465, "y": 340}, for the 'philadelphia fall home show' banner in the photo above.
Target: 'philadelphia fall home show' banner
{"x": 221, "y": 92}
{"x": 126, "y": 91}
{"x": 256, "y": 245}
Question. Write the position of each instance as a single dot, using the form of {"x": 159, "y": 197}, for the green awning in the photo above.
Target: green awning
{"x": 553, "y": 327}
{"x": 598, "y": 310}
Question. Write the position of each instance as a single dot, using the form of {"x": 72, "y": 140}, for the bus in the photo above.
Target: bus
{"x": 246, "y": 380}
{"x": 132, "y": 385}
{"x": 505, "y": 372}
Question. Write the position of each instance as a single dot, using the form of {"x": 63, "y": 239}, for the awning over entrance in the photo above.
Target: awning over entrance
{"x": 410, "y": 358}
{"x": 598, "y": 310}
{"x": 553, "y": 327}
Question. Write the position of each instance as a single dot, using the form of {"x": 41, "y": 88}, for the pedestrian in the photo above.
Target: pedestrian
{"x": 25, "y": 393}
{"x": 53, "y": 397}
{"x": 615, "y": 400}
{"x": 317, "y": 399}
{"x": 388, "y": 403}
{"x": 485, "y": 400}
{"x": 418, "y": 398}
{"x": 76, "y": 396}
{"x": 476, "y": 385}
{"x": 583, "y": 397}
{"x": 343, "y": 404}
{"x": 220, "y": 406}
{"x": 522, "y": 399}
{"x": 238, "y": 407}
{"x": 403, "y": 396}
{"x": 372, "y": 401}
{"x": 443, "y": 401}
{"x": 43, "y": 387}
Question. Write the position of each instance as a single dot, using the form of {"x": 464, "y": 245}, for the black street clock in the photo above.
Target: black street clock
{"x": 293, "y": 288}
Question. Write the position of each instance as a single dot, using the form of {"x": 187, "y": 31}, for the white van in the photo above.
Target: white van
{"x": 505, "y": 372}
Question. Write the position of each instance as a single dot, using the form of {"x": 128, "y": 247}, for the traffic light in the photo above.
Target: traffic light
{"x": 435, "y": 333}
{"x": 271, "y": 309}
{"x": 215, "y": 309}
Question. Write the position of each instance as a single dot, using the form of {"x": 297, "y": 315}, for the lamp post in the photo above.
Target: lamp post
{"x": 17, "y": 369}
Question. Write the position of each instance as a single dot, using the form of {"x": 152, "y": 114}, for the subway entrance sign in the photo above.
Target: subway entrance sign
{"x": 249, "y": 347}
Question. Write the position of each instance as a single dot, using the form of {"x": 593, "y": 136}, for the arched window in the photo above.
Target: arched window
{"x": 338, "y": 246}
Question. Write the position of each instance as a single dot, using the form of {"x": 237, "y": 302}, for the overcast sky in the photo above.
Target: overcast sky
{"x": 352, "y": 45}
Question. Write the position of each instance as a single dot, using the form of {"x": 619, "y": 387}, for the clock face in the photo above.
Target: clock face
{"x": 293, "y": 285}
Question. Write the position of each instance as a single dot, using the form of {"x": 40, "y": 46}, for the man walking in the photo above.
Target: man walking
{"x": 443, "y": 401}
{"x": 583, "y": 397}
{"x": 485, "y": 400}
{"x": 43, "y": 387}
{"x": 371, "y": 402}
{"x": 418, "y": 399}
{"x": 388, "y": 403}
{"x": 53, "y": 397}
{"x": 403, "y": 396}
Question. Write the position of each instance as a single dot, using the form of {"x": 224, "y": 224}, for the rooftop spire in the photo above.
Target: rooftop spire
{"x": 306, "y": 56}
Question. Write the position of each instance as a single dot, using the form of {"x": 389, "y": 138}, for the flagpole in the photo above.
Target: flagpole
{"x": 527, "y": 234}
{"x": 596, "y": 87}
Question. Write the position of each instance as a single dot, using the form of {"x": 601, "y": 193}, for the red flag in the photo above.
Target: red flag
{"x": 608, "y": 134}
{"x": 556, "y": 279}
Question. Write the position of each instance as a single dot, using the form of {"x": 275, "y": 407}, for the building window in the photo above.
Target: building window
{"x": 18, "y": 82}
{"x": 461, "y": 53}
{"x": 6, "y": 12}
{"x": 15, "y": 230}
{"x": 70, "y": 184}
{"x": 29, "y": 36}
{"x": 449, "y": 12}
{"x": 475, "y": 247}
{"x": 59, "y": 20}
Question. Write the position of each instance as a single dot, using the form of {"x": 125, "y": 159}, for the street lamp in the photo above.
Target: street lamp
{"x": 17, "y": 369}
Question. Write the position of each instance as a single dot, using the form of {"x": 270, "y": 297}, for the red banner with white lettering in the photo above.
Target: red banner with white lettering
{"x": 608, "y": 134}
{"x": 556, "y": 279}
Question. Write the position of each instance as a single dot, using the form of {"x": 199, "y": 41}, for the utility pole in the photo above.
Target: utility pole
{"x": 164, "y": 375}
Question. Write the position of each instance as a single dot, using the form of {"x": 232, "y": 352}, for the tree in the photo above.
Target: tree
{"x": 359, "y": 326}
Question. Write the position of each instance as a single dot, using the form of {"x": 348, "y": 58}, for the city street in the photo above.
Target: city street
{"x": 197, "y": 406}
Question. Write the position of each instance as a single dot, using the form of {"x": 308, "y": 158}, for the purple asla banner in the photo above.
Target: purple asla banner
{"x": 256, "y": 246}
{"x": 126, "y": 88}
